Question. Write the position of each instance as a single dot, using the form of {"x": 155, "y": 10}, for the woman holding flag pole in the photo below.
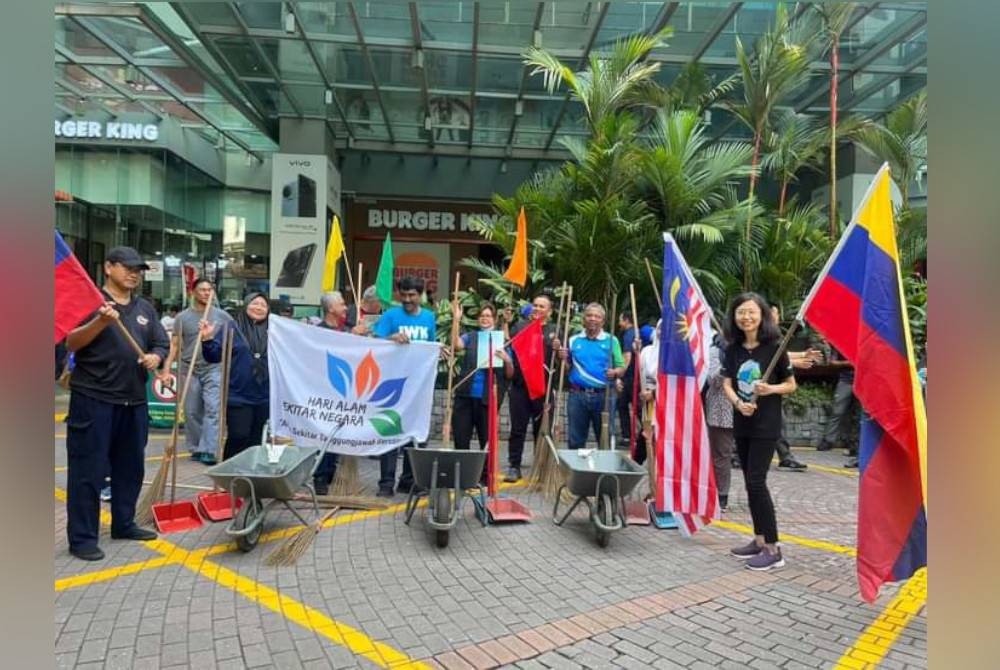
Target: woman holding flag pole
{"x": 753, "y": 384}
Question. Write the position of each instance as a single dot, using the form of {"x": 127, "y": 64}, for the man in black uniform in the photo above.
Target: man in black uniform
{"x": 522, "y": 408}
{"x": 108, "y": 419}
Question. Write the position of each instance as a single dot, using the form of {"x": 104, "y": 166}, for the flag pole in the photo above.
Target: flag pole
{"x": 777, "y": 354}
{"x": 636, "y": 347}
{"x": 562, "y": 364}
{"x": 652, "y": 280}
{"x": 446, "y": 428}
{"x": 350, "y": 279}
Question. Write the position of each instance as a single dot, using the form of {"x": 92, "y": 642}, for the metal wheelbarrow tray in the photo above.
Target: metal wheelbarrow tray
{"x": 607, "y": 476}
{"x": 250, "y": 479}
{"x": 444, "y": 475}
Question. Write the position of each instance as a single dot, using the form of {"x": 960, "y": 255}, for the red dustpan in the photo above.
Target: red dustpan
{"x": 500, "y": 509}
{"x": 174, "y": 517}
{"x": 217, "y": 505}
{"x": 637, "y": 513}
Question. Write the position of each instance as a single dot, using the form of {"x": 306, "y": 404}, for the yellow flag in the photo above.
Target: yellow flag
{"x": 517, "y": 271}
{"x": 334, "y": 250}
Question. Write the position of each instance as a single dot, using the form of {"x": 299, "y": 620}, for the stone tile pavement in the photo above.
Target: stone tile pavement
{"x": 373, "y": 592}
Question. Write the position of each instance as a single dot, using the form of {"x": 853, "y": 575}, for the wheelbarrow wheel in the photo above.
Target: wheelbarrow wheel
{"x": 605, "y": 513}
{"x": 442, "y": 514}
{"x": 245, "y": 517}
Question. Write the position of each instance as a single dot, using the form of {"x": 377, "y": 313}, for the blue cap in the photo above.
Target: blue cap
{"x": 526, "y": 311}
{"x": 646, "y": 334}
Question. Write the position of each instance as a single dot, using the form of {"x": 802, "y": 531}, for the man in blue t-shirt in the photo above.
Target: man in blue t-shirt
{"x": 595, "y": 358}
{"x": 409, "y": 322}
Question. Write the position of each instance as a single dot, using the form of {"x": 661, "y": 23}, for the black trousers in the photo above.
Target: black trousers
{"x": 244, "y": 425}
{"x": 469, "y": 414}
{"x": 755, "y": 460}
{"x": 100, "y": 434}
{"x": 387, "y": 468}
{"x": 625, "y": 420}
{"x": 522, "y": 410}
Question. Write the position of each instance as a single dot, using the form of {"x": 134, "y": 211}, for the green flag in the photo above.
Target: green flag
{"x": 386, "y": 266}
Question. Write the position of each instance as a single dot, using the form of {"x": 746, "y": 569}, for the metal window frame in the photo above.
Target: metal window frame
{"x": 371, "y": 70}
{"x": 85, "y": 23}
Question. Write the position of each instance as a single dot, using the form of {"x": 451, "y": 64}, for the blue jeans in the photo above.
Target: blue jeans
{"x": 583, "y": 410}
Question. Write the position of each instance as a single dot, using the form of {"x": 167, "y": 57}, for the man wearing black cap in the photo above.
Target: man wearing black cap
{"x": 108, "y": 420}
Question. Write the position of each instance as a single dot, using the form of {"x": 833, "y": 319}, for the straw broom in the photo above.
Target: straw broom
{"x": 292, "y": 549}
{"x": 346, "y": 480}
{"x": 158, "y": 488}
{"x": 541, "y": 456}
{"x": 544, "y": 475}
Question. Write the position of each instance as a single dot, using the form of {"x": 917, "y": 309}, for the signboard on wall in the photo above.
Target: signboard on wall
{"x": 155, "y": 271}
{"x": 429, "y": 262}
{"x": 298, "y": 226}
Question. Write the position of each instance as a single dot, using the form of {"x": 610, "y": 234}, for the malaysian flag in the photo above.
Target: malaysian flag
{"x": 685, "y": 481}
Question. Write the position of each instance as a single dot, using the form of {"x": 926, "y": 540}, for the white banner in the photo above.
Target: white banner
{"x": 382, "y": 392}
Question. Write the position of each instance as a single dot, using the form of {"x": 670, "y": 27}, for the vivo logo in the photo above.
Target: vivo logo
{"x": 299, "y": 163}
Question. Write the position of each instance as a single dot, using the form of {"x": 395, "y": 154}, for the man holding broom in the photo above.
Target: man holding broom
{"x": 201, "y": 404}
{"x": 522, "y": 407}
{"x": 596, "y": 360}
{"x": 108, "y": 421}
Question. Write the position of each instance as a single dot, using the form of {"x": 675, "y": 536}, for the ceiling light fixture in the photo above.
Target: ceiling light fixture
{"x": 328, "y": 97}
{"x": 290, "y": 23}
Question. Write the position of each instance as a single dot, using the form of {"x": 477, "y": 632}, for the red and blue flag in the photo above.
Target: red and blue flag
{"x": 858, "y": 305}
{"x": 685, "y": 480}
{"x": 75, "y": 293}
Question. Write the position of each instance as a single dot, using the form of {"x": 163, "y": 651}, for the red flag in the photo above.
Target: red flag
{"x": 529, "y": 347}
{"x": 76, "y": 295}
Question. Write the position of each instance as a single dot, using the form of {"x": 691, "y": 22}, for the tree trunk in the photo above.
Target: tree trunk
{"x": 758, "y": 133}
{"x": 781, "y": 199}
{"x": 834, "y": 67}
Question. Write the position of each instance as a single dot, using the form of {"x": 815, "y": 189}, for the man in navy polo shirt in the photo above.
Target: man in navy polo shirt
{"x": 595, "y": 358}
{"x": 406, "y": 323}
{"x": 108, "y": 420}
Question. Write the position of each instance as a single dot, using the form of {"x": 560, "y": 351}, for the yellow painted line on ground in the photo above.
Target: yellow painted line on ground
{"x": 62, "y": 468}
{"x": 822, "y": 545}
{"x": 113, "y": 573}
{"x": 60, "y": 416}
{"x": 874, "y": 643}
{"x": 826, "y": 468}
{"x": 847, "y": 472}
{"x": 308, "y": 617}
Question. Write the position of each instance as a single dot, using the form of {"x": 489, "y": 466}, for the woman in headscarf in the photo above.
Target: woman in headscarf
{"x": 247, "y": 407}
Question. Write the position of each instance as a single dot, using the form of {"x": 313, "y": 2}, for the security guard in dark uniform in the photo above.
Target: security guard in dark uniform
{"x": 108, "y": 420}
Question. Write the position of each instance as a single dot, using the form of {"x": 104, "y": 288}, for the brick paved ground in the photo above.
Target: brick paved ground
{"x": 528, "y": 596}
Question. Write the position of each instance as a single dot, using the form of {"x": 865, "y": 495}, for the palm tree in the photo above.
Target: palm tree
{"x": 795, "y": 143}
{"x": 900, "y": 141}
{"x": 834, "y": 17}
{"x": 778, "y": 67}
{"x": 689, "y": 177}
{"x": 622, "y": 80}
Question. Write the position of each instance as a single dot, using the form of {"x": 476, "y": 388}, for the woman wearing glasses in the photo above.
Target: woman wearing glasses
{"x": 754, "y": 339}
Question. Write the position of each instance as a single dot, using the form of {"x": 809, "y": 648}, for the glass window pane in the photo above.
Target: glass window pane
{"x": 79, "y": 41}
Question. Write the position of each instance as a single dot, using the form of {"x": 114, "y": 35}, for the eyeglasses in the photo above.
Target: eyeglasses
{"x": 747, "y": 312}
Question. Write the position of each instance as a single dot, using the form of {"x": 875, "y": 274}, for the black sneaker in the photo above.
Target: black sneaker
{"x": 92, "y": 554}
{"x": 513, "y": 475}
{"x": 384, "y": 493}
{"x": 746, "y": 551}
{"x": 824, "y": 446}
{"x": 792, "y": 465}
{"x": 208, "y": 459}
{"x": 134, "y": 533}
{"x": 852, "y": 462}
{"x": 322, "y": 487}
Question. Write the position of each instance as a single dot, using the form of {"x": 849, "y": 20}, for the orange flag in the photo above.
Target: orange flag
{"x": 517, "y": 271}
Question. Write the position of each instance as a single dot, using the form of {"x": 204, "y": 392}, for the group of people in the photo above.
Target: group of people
{"x": 107, "y": 423}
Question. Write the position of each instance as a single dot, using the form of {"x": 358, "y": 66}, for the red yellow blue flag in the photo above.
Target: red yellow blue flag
{"x": 858, "y": 305}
